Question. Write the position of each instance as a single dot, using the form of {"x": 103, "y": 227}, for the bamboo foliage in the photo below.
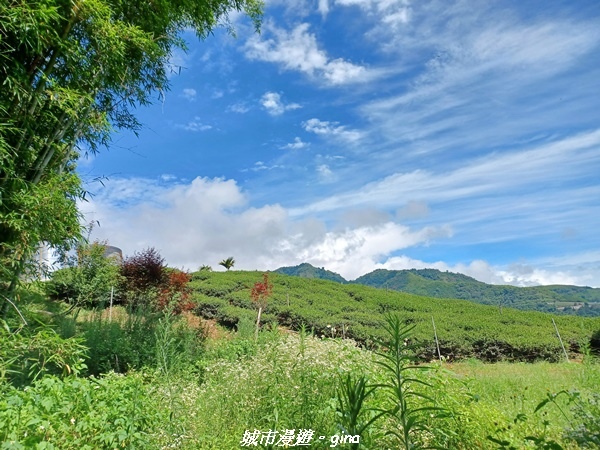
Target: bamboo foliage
{"x": 72, "y": 72}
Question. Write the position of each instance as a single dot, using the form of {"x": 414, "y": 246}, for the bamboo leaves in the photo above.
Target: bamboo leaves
{"x": 72, "y": 72}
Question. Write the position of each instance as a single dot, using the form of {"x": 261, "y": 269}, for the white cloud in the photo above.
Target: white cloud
{"x": 325, "y": 174}
{"x": 296, "y": 145}
{"x": 205, "y": 220}
{"x": 413, "y": 210}
{"x": 189, "y": 94}
{"x": 323, "y": 7}
{"x": 478, "y": 69}
{"x": 240, "y": 108}
{"x": 260, "y": 166}
{"x": 392, "y": 13}
{"x": 325, "y": 128}
{"x": 298, "y": 50}
{"x": 572, "y": 158}
{"x": 272, "y": 103}
{"x": 195, "y": 125}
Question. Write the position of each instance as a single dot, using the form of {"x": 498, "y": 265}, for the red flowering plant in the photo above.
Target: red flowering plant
{"x": 261, "y": 291}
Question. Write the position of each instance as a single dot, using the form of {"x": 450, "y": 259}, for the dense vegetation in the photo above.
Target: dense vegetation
{"x": 148, "y": 380}
{"x": 306, "y": 270}
{"x": 327, "y": 308}
{"x": 573, "y": 300}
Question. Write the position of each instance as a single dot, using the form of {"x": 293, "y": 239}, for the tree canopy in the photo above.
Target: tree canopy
{"x": 72, "y": 72}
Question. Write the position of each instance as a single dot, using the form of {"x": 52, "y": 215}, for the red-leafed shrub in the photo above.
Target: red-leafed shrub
{"x": 261, "y": 291}
{"x": 148, "y": 282}
{"x": 176, "y": 292}
{"x": 144, "y": 272}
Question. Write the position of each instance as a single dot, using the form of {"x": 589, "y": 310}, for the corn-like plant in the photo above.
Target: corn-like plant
{"x": 409, "y": 406}
{"x": 410, "y": 409}
{"x": 351, "y": 397}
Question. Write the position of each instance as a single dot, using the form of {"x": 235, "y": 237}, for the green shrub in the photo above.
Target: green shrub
{"x": 82, "y": 414}
{"x": 89, "y": 278}
{"x": 28, "y": 355}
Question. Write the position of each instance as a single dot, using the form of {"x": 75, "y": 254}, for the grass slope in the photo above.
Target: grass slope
{"x": 464, "y": 329}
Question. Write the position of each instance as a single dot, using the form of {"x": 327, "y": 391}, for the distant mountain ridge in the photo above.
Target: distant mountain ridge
{"x": 583, "y": 301}
{"x": 306, "y": 270}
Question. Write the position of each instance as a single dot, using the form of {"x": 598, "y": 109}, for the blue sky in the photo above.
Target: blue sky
{"x": 364, "y": 134}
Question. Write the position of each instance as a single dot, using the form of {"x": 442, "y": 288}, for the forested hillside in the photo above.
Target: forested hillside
{"x": 560, "y": 299}
{"x": 581, "y": 301}
{"x": 306, "y": 270}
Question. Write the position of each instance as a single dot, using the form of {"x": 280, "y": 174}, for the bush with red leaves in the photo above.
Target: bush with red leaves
{"x": 144, "y": 272}
{"x": 175, "y": 294}
{"x": 148, "y": 282}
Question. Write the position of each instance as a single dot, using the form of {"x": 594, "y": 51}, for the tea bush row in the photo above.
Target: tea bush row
{"x": 464, "y": 329}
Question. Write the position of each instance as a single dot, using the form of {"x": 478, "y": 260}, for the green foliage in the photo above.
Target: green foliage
{"x": 228, "y": 263}
{"x": 75, "y": 413}
{"x": 72, "y": 72}
{"x": 89, "y": 279}
{"x": 306, "y": 270}
{"x": 27, "y": 355}
{"x": 464, "y": 329}
{"x": 140, "y": 338}
{"x": 574, "y": 300}
{"x": 120, "y": 345}
{"x": 409, "y": 405}
{"x": 584, "y": 429}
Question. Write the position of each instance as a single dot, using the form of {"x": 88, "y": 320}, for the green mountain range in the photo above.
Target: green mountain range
{"x": 306, "y": 270}
{"x": 574, "y": 300}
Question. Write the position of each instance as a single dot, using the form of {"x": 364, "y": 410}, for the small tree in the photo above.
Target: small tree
{"x": 260, "y": 294}
{"x": 228, "y": 263}
{"x": 88, "y": 278}
{"x": 144, "y": 276}
{"x": 147, "y": 281}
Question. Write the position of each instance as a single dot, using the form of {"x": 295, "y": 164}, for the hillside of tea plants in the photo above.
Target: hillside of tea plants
{"x": 464, "y": 329}
{"x": 558, "y": 299}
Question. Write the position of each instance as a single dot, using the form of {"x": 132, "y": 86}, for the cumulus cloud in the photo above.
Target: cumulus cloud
{"x": 324, "y": 128}
{"x": 205, "y": 220}
{"x": 298, "y": 50}
{"x": 296, "y": 145}
{"x": 323, "y": 7}
{"x": 272, "y": 103}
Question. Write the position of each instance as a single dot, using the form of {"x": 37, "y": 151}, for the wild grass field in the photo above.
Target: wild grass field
{"x": 122, "y": 377}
